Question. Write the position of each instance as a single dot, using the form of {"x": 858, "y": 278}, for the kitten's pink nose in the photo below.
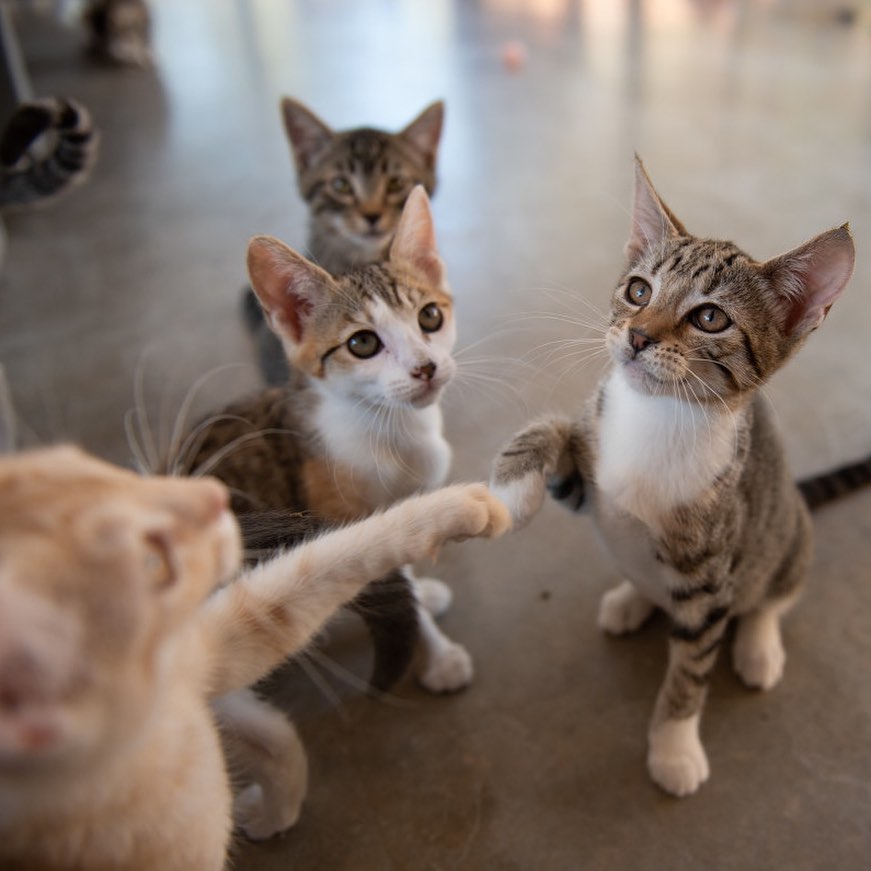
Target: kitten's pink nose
{"x": 640, "y": 340}
{"x": 425, "y": 372}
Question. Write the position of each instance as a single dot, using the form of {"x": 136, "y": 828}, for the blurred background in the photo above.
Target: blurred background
{"x": 754, "y": 122}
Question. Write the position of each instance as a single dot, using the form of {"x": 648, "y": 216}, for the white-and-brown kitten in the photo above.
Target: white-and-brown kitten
{"x": 114, "y": 640}
{"x": 359, "y": 424}
{"x": 680, "y": 462}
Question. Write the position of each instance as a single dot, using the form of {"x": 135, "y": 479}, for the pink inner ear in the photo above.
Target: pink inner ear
{"x": 414, "y": 245}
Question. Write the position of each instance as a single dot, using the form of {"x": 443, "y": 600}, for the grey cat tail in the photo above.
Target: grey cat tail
{"x": 827, "y": 487}
{"x": 541, "y": 457}
{"x": 8, "y": 434}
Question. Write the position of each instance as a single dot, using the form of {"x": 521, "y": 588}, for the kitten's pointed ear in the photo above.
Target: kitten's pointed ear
{"x": 308, "y": 135}
{"x": 426, "y": 131}
{"x": 414, "y": 245}
{"x": 809, "y": 279}
{"x": 287, "y": 285}
{"x": 652, "y": 220}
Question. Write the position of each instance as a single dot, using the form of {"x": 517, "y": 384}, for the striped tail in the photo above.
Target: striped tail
{"x": 543, "y": 456}
{"x": 826, "y": 487}
{"x": 46, "y": 148}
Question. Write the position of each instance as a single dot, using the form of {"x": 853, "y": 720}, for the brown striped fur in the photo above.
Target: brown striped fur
{"x": 678, "y": 458}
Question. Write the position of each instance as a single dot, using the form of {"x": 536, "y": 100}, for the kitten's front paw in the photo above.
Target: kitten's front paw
{"x": 447, "y": 671}
{"x": 259, "y": 820}
{"x": 435, "y": 595}
{"x": 476, "y": 513}
{"x": 623, "y": 610}
{"x": 676, "y": 759}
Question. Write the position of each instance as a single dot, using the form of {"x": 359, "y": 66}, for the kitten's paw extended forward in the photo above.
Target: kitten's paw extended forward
{"x": 259, "y": 819}
{"x": 676, "y": 759}
{"x": 758, "y": 656}
{"x": 623, "y": 610}
{"x": 447, "y": 671}
{"x": 467, "y": 511}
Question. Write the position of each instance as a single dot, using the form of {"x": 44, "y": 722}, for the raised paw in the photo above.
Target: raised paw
{"x": 676, "y": 759}
{"x": 623, "y": 610}
{"x": 472, "y": 511}
{"x": 259, "y": 820}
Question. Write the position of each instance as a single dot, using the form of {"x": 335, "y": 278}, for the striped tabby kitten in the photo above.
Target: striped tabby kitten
{"x": 679, "y": 460}
{"x": 359, "y": 425}
{"x": 116, "y": 649}
{"x": 355, "y": 183}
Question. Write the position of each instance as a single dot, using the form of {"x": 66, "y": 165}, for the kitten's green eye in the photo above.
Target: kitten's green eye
{"x": 364, "y": 344}
{"x": 395, "y": 185}
{"x": 638, "y": 292}
{"x": 430, "y": 318}
{"x": 341, "y": 185}
{"x": 710, "y": 319}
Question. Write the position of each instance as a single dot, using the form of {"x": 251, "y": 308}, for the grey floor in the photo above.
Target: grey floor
{"x": 754, "y": 120}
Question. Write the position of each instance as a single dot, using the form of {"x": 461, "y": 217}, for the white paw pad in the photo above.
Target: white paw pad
{"x": 447, "y": 670}
{"x": 623, "y": 610}
{"x": 676, "y": 759}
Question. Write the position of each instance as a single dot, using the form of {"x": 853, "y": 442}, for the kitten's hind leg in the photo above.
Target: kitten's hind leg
{"x": 623, "y": 610}
{"x": 758, "y": 656}
{"x": 265, "y": 753}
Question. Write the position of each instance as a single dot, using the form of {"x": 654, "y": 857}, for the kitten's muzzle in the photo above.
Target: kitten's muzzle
{"x": 639, "y": 340}
{"x": 426, "y": 372}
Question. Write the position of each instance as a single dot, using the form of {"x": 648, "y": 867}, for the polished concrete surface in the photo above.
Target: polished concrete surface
{"x": 754, "y": 120}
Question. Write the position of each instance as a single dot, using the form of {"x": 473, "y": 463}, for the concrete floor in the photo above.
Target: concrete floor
{"x": 755, "y": 123}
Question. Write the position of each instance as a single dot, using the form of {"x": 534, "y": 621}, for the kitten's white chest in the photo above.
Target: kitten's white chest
{"x": 391, "y": 456}
{"x": 655, "y": 453}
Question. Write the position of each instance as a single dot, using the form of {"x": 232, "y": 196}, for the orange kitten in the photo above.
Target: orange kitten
{"x": 113, "y": 641}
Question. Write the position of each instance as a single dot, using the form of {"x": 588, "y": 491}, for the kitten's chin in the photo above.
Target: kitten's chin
{"x": 642, "y": 381}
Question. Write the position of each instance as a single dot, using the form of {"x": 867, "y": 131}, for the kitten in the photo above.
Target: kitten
{"x": 113, "y": 639}
{"x": 355, "y": 183}
{"x": 359, "y": 425}
{"x": 47, "y": 147}
{"x": 680, "y": 462}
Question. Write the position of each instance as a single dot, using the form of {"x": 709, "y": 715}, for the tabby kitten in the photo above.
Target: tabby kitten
{"x": 359, "y": 425}
{"x": 119, "y": 31}
{"x": 355, "y": 183}
{"x": 679, "y": 460}
{"x": 47, "y": 147}
{"x": 113, "y": 640}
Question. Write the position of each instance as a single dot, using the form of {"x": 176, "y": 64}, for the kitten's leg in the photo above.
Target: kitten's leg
{"x": 264, "y": 751}
{"x": 445, "y": 666}
{"x": 757, "y": 654}
{"x": 623, "y": 609}
{"x": 274, "y": 609}
{"x": 676, "y": 759}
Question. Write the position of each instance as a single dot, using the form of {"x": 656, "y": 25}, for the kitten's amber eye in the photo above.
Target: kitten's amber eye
{"x": 710, "y": 319}
{"x": 395, "y": 185}
{"x": 364, "y": 344}
{"x": 341, "y": 185}
{"x": 638, "y": 292}
{"x": 430, "y": 318}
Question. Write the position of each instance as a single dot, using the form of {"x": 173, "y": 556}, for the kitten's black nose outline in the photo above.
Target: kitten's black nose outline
{"x": 639, "y": 340}
{"x": 424, "y": 372}
{"x": 372, "y": 217}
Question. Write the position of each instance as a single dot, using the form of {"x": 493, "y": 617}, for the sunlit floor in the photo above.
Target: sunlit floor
{"x": 754, "y": 120}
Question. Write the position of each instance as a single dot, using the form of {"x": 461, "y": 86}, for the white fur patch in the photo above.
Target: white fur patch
{"x": 523, "y": 497}
{"x": 658, "y": 452}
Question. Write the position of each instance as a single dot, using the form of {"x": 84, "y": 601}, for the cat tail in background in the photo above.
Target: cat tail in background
{"x": 7, "y": 416}
{"x": 46, "y": 148}
{"x": 388, "y": 606}
{"x": 270, "y": 354}
{"x": 826, "y": 487}
{"x": 549, "y": 454}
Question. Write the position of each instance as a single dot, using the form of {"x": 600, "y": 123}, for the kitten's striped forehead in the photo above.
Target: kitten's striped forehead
{"x": 701, "y": 263}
